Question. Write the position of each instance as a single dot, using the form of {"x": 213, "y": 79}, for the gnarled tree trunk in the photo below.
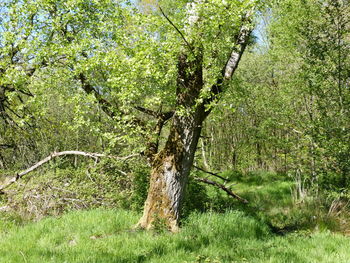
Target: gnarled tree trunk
{"x": 170, "y": 170}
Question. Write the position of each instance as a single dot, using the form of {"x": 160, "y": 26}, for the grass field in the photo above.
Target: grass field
{"x": 270, "y": 229}
{"x": 107, "y": 236}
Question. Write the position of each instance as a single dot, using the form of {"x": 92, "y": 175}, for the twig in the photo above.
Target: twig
{"x": 221, "y": 186}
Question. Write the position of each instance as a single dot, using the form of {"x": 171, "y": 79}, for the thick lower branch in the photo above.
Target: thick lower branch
{"x": 89, "y": 89}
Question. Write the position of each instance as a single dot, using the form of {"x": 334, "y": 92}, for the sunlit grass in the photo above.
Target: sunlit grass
{"x": 108, "y": 236}
{"x": 244, "y": 233}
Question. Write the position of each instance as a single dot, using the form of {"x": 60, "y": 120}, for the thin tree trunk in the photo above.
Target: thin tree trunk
{"x": 204, "y": 156}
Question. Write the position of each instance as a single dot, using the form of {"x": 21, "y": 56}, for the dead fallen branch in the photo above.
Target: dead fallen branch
{"x": 57, "y": 154}
{"x": 222, "y": 187}
{"x": 211, "y": 173}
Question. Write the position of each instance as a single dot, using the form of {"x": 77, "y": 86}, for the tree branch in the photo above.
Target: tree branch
{"x": 89, "y": 89}
{"x": 162, "y": 118}
{"x": 147, "y": 111}
{"x": 237, "y": 52}
{"x": 234, "y": 57}
{"x": 57, "y": 154}
{"x": 159, "y": 115}
{"x": 211, "y": 173}
{"x": 106, "y": 106}
{"x": 178, "y": 30}
{"x": 222, "y": 187}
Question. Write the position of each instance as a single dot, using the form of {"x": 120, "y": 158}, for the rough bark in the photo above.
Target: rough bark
{"x": 169, "y": 176}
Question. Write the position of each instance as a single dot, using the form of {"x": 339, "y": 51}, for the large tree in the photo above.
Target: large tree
{"x": 156, "y": 70}
{"x": 194, "y": 96}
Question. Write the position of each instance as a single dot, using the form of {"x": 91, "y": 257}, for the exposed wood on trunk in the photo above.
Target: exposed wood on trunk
{"x": 57, "y": 154}
{"x": 169, "y": 176}
{"x": 222, "y": 187}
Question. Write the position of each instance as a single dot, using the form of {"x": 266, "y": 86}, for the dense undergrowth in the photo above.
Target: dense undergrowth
{"x": 273, "y": 227}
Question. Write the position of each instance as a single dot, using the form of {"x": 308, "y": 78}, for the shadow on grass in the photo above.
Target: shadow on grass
{"x": 270, "y": 201}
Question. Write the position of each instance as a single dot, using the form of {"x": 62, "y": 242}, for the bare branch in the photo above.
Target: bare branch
{"x": 234, "y": 58}
{"x": 237, "y": 52}
{"x": 211, "y": 173}
{"x": 222, "y": 187}
{"x": 57, "y": 154}
{"x": 240, "y": 45}
{"x": 147, "y": 111}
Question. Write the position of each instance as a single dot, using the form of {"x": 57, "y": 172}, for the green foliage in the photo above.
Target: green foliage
{"x": 287, "y": 110}
{"x": 322, "y": 41}
{"x": 140, "y": 185}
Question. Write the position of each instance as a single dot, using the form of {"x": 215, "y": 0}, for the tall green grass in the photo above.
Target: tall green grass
{"x": 108, "y": 236}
